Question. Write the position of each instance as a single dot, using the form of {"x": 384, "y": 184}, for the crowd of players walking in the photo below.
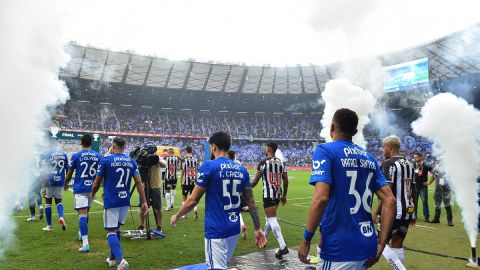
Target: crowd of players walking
{"x": 344, "y": 175}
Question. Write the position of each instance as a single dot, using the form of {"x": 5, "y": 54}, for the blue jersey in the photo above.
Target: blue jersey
{"x": 84, "y": 163}
{"x": 55, "y": 163}
{"x": 353, "y": 175}
{"x": 117, "y": 171}
{"x": 224, "y": 181}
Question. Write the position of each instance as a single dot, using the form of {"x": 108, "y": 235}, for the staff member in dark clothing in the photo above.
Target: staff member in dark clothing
{"x": 421, "y": 184}
{"x": 442, "y": 193}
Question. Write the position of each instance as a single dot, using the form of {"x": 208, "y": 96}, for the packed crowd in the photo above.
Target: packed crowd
{"x": 142, "y": 120}
{"x": 296, "y": 153}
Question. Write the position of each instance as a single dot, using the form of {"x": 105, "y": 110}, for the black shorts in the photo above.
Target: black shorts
{"x": 267, "y": 202}
{"x": 187, "y": 189}
{"x": 154, "y": 198}
{"x": 171, "y": 184}
{"x": 400, "y": 228}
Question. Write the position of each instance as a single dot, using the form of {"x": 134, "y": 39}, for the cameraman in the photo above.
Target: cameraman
{"x": 150, "y": 163}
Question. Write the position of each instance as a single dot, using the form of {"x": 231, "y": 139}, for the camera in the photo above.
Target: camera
{"x": 145, "y": 156}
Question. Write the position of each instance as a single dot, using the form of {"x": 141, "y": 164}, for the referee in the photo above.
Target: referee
{"x": 273, "y": 171}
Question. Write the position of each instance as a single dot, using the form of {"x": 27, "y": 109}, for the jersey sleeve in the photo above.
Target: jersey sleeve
{"x": 73, "y": 162}
{"x": 260, "y": 166}
{"x": 203, "y": 175}
{"x": 322, "y": 167}
{"x": 135, "y": 168}
{"x": 388, "y": 170}
{"x": 101, "y": 167}
{"x": 246, "y": 179}
{"x": 379, "y": 179}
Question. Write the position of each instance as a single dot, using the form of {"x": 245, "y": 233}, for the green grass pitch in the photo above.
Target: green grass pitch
{"x": 35, "y": 249}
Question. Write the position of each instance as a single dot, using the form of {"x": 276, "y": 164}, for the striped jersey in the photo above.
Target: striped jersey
{"x": 399, "y": 172}
{"x": 173, "y": 163}
{"x": 272, "y": 170}
{"x": 190, "y": 169}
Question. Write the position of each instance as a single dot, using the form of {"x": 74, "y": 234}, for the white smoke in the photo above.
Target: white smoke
{"x": 341, "y": 93}
{"x": 31, "y": 52}
{"x": 454, "y": 127}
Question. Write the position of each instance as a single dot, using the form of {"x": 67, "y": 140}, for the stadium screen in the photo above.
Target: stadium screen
{"x": 406, "y": 76}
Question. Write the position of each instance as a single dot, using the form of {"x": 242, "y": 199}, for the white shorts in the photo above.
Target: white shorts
{"x": 82, "y": 200}
{"x": 218, "y": 252}
{"x": 54, "y": 192}
{"x": 114, "y": 217}
{"x": 329, "y": 265}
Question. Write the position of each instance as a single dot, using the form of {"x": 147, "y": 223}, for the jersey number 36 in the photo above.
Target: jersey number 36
{"x": 360, "y": 200}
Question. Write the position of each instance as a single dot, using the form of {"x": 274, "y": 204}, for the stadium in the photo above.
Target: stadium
{"x": 134, "y": 101}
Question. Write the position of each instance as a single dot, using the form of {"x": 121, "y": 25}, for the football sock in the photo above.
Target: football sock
{"x": 114, "y": 245}
{"x": 195, "y": 210}
{"x": 400, "y": 254}
{"x": 277, "y": 231}
{"x": 167, "y": 198}
{"x": 392, "y": 258}
{"x": 267, "y": 228}
{"x": 83, "y": 225}
{"x": 174, "y": 192}
{"x": 60, "y": 210}
{"x": 48, "y": 214}
{"x": 241, "y": 221}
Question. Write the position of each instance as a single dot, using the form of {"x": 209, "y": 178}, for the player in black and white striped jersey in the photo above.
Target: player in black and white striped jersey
{"x": 399, "y": 172}
{"x": 173, "y": 163}
{"x": 188, "y": 176}
{"x": 273, "y": 171}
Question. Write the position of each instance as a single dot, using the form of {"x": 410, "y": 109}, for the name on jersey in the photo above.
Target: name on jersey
{"x": 89, "y": 158}
{"x": 354, "y": 151}
{"x": 122, "y": 162}
{"x": 231, "y": 174}
{"x": 357, "y": 163}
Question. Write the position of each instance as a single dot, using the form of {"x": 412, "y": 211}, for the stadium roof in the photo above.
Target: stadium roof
{"x": 449, "y": 57}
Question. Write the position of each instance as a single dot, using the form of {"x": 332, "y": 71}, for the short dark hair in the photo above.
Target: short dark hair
{"x": 189, "y": 149}
{"x": 231, "y": 154}
{"x": 119, "y": 141}
{"x": 273, "y": 146}
{"x": 418, "y": 154}
{"x": 165, "y": 150}
{"x": 346, "y": 121}
{"x": 221, "y": 140}
{"x": 86, "y": 140}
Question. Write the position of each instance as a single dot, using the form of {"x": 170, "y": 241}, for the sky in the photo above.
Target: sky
{"x": 264, "y": 32}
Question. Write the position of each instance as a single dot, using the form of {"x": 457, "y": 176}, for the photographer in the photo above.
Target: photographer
{"x": 149, "y": 164}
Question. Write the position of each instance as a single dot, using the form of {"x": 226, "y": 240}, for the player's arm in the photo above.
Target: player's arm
{"x": 315, "y": 213}
{"x": 388, "y": 171}
{"x": 190, "y": 203}
{"x": 388, "y": 213}
{"x": 181, "y": 174}
{"x": 256, "y": 178}
{"x": 285, "y": 188}
{"x": 96, "y": 185}
{"x": 141, "y": 193}
{"x": 68, "y": 178}
{"x": 260, "y": 239}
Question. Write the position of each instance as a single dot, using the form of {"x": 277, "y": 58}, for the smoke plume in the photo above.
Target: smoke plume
{"x": 341, "y": 93}
{"x": 32, "y": 52}
{"x": 454, "y": 127}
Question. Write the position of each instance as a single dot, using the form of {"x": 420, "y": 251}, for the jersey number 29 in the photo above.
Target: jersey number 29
{"x": 363, "y": 200}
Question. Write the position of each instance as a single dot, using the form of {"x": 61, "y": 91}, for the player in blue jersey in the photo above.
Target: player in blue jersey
{"x": 345, "y": 177}
{"x": 115, "y": 172}
{"x": 223, "y": 181}
{"x": 55, "y": 163}
{"x": 84, "y": 163}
